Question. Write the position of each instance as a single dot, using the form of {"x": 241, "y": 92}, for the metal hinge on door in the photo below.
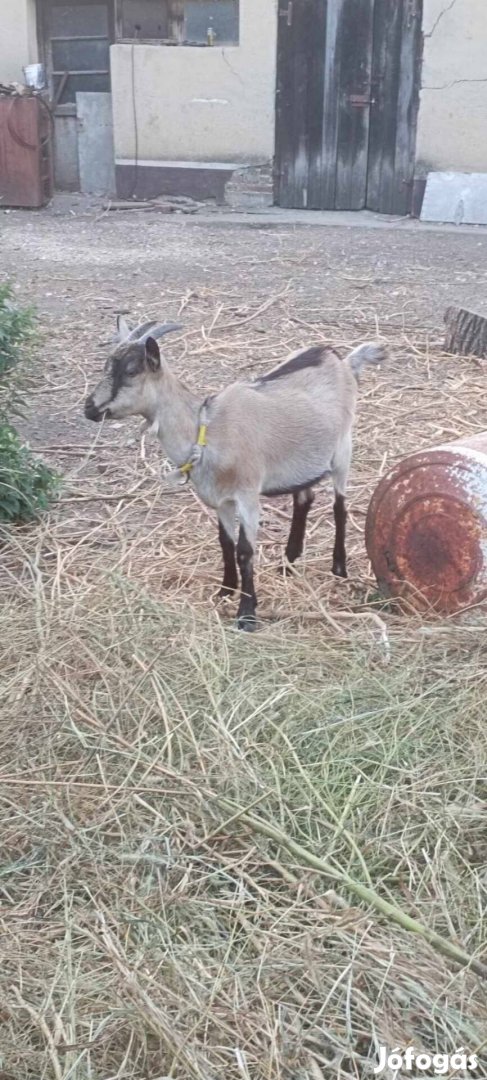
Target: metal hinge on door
{"x": 287, "y": 13}
{"x": 360, "y": 101}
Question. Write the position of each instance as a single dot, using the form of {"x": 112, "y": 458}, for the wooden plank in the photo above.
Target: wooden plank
{"x": 354, "y": 61}
{"x": 284, "y": 103}
{"x": 175, "y": 20}
{"x": 385, "y": 90}
{"x": 407, "y": 106}
{"x": 345, "y": 125}
{"x": 331, "y": 78}
{"x": 298, "y": 175}
{"x": 316, "y": 74}
{"x": 301, "y": 46}
{"x": 395, "y": 88}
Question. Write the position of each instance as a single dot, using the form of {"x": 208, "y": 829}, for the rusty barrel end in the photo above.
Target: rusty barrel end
{"x": 426, "y": 528}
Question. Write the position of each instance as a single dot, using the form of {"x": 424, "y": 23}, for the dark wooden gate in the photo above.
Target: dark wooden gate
{"x": 347, "y": 96}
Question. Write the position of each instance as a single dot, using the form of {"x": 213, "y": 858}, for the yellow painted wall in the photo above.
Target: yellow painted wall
{"x": 18, "y": 38}
{"x": 452, "y": 121}
{"x": 200, "y": 104}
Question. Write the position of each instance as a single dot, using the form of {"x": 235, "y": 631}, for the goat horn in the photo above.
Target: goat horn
{"x": 141, "y": 330}
{"x": 158, "y": 330}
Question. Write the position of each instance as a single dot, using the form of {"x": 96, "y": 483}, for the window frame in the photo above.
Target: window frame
{"x": 178, "y": 22}
{"x": 45, "y": 39}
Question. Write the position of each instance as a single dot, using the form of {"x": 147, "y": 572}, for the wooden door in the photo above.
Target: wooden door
{"x": 346, "y": 103}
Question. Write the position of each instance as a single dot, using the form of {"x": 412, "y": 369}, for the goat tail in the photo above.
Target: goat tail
{"x": 371, "y": 353}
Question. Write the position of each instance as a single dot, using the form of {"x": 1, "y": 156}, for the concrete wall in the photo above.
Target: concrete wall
{"x": 452, "y": 122}
{"x": 18, "y": 38}
{"x": 200, "y": 104}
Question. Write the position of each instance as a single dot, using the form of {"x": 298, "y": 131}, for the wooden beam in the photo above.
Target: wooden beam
{"x": 175, "y": 18}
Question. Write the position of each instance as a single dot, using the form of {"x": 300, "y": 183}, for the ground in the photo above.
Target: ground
{"x": 191, "y": 817}
{"x": 247, "y": 294}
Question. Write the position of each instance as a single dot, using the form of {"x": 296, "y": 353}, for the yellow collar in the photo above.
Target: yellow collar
{"x": 201, "y": 441}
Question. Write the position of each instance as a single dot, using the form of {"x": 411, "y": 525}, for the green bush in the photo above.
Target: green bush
{"x": 26, "y": 484}
{"x": 16, "y": 327}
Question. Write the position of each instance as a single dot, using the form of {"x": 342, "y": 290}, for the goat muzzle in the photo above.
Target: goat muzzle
{"x": 92, "y": 412}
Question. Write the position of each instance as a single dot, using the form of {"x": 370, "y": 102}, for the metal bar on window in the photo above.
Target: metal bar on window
{"x": 83, "y": 37}
{"x": 147, "y": 41}
{"x": 84, "y": 71}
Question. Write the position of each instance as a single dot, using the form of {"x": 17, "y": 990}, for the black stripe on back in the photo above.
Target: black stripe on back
{"x": 310, "y": 358}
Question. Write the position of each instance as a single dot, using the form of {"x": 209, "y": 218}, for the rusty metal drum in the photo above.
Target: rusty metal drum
{"x": 426, "y": 528}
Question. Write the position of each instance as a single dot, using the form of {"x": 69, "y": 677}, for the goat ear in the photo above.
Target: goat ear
{"x": 123, "y": 328}
{"x": 152, "y": 354}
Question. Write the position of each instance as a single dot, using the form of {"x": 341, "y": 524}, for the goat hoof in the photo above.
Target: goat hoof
{"x": 285, "y": 569}
{"x": 339, "y": 570}
{"x": 247, "y": 623}
{"x": 226, "y": 592}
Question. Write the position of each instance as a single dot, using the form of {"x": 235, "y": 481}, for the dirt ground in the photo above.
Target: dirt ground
{"x": 247, "y": 294}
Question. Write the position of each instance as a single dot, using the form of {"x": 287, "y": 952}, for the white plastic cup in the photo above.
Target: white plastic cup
{"x": 35, "y": 76}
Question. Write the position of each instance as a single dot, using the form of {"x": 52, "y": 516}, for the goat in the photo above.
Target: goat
{"x": 277, "y": 435}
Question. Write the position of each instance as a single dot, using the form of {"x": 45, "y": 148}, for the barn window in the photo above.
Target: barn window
{"x": 190, "y": 22}
{"x": 203, "y": 16}
{"x": 145, "y": 19}
{"x": 76, "y": 38}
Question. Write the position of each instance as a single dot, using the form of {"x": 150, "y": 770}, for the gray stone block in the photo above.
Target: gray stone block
{"x": 95, "y": 143}
{"x": 460, "y": 198}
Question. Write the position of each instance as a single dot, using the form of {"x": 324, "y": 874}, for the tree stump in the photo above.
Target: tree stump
{"x": 466, "y": 332}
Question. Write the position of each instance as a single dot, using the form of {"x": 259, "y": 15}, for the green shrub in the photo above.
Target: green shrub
{"x": 16, "y": 328}
{"x": 26, "y": 484}
{"x": 16, "y": 332}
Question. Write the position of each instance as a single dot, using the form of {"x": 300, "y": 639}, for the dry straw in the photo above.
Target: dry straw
{"x": 205, "y": 835}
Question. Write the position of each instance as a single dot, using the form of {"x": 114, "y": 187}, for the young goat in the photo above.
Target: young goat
{"x": 278, "y": 435}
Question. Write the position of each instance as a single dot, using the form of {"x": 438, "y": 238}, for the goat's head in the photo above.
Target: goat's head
{"x": 132, "y": 373}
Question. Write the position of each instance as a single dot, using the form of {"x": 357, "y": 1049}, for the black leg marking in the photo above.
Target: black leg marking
{"x": 248, "y": 599}
{"x": 339, "y": 555}
{"x": 230, "y": 576}
{"x": 301, "y": 508}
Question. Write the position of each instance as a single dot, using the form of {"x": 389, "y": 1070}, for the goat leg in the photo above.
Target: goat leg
{"x": 339, "y": 567}
{"x": 302, "y": 503}
{"x": 230, "y": 576}
{"x": 248, "y": 600}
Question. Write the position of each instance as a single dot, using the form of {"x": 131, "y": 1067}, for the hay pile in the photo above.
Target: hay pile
{"x": 146, "y": 931}
{"x": 149, "y": 927}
